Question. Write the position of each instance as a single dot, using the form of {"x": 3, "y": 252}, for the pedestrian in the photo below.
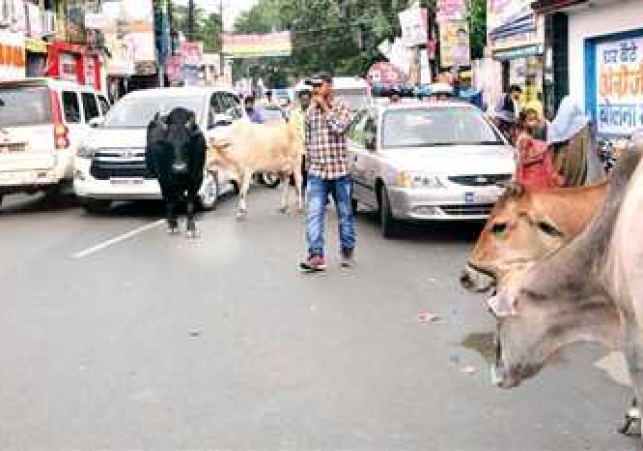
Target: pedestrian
{"x": 253, "y": 114}
{"x": 570, "y": 137}
{"x": 535, "y": 166}
{"x": 298, "y": 119}
{"x": 327, "y": 121}
{"x": 507, "y": 112}
{"x": 395, "y": 95}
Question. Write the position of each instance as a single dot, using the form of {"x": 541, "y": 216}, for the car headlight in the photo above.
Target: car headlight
{"x": 86, "y": 152}
{"x": 408, "y": 179}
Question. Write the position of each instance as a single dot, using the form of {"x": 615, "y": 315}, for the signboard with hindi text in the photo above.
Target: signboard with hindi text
{"x": 619, "y": 86}
{"x": 257, "y": 45}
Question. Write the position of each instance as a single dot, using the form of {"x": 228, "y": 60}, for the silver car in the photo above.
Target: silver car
{"x": 427, "y": 161}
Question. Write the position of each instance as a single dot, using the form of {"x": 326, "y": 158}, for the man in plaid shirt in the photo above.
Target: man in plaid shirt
{"x": 326, "y": 124}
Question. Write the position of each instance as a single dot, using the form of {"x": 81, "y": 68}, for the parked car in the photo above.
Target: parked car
{"x": 42, "y": 122}
{"x": 111, "y": 162}
{"x": 439, "y": 161}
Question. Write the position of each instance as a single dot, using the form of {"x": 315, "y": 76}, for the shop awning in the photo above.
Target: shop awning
{"x": 34, "y": 45}
{"x": 552, "y": 6}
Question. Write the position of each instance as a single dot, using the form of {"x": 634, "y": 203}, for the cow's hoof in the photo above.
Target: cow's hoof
{"x": 242, "y": 214}
{"x": 632, "y": 418}
{"x": 173, "y": 230}
{"x": 283, "y": 210}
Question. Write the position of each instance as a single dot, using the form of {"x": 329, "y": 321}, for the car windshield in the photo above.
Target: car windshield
{"x": 444, "y": 126}
{"x": 356, "y": 99}
{"x": 25, "y": 106}
{"x": 137, "y": 112}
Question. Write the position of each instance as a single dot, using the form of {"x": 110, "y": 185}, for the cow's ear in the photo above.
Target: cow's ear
{"x": 502, "y": 304}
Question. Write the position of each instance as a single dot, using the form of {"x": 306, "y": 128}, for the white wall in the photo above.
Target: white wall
{"x": 593, "y": 21}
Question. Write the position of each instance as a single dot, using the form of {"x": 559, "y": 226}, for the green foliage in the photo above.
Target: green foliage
{"x": 326, "y": 33}
{"x": 207, "y": 27}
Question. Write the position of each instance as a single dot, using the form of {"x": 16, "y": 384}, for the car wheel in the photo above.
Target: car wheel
{"x": 95, "y": 206}
{"x": 209, "y": 193}
{"x": 1, "y": 199}
{"x": 387, "y": 222}
{"x": 270, "y": 180}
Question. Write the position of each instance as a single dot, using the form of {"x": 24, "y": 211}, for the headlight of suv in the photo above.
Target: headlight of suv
{"x": 86, "y": 152}
{"x": 408, "y": 179}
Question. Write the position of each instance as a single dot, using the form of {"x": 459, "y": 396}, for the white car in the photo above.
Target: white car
{"x": 110, "y": 165}
{"x": 353, "y": 91}
{"x": 427, "y": 161}
{"x": 42, "y": 122}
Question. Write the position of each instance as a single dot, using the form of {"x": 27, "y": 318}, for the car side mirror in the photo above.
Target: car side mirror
{"x": 221, "y": 120}
{"x": 96, "y": 121}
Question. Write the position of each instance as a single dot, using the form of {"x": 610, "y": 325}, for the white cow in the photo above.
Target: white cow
{"x": 251, "y": 148}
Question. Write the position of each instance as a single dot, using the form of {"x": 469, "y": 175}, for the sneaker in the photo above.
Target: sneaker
{"x": 348, "y": 260}
{"x": 314, "y": 263}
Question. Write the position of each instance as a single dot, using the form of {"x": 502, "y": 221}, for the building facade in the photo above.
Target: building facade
{"x": 603, "y": 59}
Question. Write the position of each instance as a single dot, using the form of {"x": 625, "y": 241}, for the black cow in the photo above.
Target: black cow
{"x": 175, "y": 155}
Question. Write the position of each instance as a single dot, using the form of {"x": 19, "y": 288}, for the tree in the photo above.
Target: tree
{"x": 338, "y": 35}
{"x": 207, "y": 27}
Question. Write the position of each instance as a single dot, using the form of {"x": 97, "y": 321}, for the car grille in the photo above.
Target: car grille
{"x": 117, "y": 164}
{"x": 467, "y": 210}
{"x": 480, "y": 180}
{"x": 13, "y": 148}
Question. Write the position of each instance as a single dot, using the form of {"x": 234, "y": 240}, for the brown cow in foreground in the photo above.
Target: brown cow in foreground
{"x": 251, "y": 148}
{"x": 523, "y": 228}
{"x": 589, "y": 290}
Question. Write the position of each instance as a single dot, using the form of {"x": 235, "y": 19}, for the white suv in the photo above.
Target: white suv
{"x": 42, "y": 122}
{"x": 111, "y": 162}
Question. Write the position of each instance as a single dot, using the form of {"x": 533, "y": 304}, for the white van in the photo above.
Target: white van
{"x": 353, "y": 91}
{"x": 42, "y": 122}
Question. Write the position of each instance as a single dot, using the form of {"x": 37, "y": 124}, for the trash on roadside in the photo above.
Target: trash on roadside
{"x": 428, "y": 317}
{"x": 469, "y": 369}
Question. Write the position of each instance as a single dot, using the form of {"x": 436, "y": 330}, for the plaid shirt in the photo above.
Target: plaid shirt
{"x": 325, "y": 141}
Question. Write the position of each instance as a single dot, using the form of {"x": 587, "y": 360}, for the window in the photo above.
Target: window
{"x": 233, "y": 106}
{"x": 356, "y": 131}
{"x": 104, "y": 105}
{"x": 71, "y": 107}
{"x": 90, "y": 106}
{"x": 24, "y": 106}
{"x": 217, "y": 106}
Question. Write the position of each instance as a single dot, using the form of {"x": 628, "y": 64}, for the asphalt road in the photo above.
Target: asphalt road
{"x": 114, "y": 335}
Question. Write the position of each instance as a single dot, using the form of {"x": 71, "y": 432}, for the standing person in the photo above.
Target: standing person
{"x": 298, "y": 119}
{"x": 327, "y": 122}
{"x": 569, "y": 135}
{"x": 508, "y": 110}
{"x": 253, "y": 114}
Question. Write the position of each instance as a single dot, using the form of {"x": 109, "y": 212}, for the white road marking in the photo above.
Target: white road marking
{"x": 117, "y": 239}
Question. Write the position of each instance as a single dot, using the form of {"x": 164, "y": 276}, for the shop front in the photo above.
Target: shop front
{"x": 12, "y": 55}
{"x": 604, "y": 62}
{"x": 75, "y": 63}
{"x": 517, "y": 39}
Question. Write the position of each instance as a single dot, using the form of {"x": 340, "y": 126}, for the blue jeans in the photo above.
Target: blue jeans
{"x": 317, "y": 192}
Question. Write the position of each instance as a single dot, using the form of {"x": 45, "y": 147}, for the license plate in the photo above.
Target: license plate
{"x": 126, "y": 181}
{"x": 469, "y": 198}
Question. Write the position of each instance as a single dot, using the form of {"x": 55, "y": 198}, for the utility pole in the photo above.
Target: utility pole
{"x": 221, "y": 59}
{"x": 191, "y": 24}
